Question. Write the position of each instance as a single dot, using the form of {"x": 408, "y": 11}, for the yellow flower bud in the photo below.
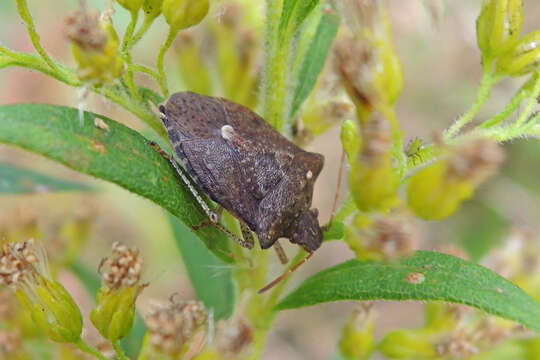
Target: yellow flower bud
{"x": 95, "y": 47}
{"x": 130, "y": 5}
{"x": 498, "y": 26}
{"x": 373, "y": 186}
{"x": 181, "y": 14}
{"x": 152, "y": 8}
{"x": 357, "y": 336}
{"x": 403, "y": 344}
{"x": 523, "y": 57}
{"x": 436, "y": 191}
{"x": 24, "y": 268}
{"x": 115, "y": 309}
{"x": 350, "y": 139}
{"x": 114, "y": 313}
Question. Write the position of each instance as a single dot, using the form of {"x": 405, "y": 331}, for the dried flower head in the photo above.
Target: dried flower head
{"x": 233, "y": 336}
{"x": 22, "y": 264}
{"x": 83, "y": 28}
{"x": 10, "y": 342}
{"x": 123, "y": 268}
{"x": 476, "y": 160}
{"x": 376, "y": 138}
{"x": 393, "y": 236}
{"x": 170, "y": 328}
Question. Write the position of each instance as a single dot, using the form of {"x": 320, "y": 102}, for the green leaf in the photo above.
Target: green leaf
{"x": 443, "y": 277}
{"x": 16, "y": 180}
{"x": 119, "y": 155}
{"x": 211, "y": 278}
{"x": 336, "y": 231}
{"x": 314, "y": 59}
{"x": 294, "y": 12}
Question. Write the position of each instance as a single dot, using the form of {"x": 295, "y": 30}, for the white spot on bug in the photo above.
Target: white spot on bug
{"x": 309, "y": 175}
{"x": 227, "y": 132}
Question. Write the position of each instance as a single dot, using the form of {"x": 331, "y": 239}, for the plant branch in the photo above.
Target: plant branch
{"x": 161, "y": 56}
{"x": 145, "y": 70}
{"x": 488, "y": 80}
{"x": 118, "y": 350}
{"x": 84, "y": 347}
{"x": 34, "y": 37}
{"x": 139, "y": 34}
{"x": 126, "y": 53}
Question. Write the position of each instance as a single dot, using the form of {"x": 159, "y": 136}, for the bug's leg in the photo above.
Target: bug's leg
{"x": 247, "y": 236}
{"x": 334, "y": 206}
{"x": 212, "y": 215}
{"x": 243, "y": 242}
{"x": 280, "y": 253}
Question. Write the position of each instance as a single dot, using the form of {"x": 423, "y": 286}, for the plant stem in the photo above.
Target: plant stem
{"x": 488, "y": 80}
{"x": 34, "y": 37}
{"x": 118, "y": 350}
{"x": 146, "y": 25}
{"x": 126, "y": 53}
{"x": 161, "y": 55}
{"x": 145, "y": 70}
{"x": 84, "y": 347}
{"x": 530, "y": 105}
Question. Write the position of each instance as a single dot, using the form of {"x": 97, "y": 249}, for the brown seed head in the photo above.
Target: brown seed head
{"x": 82, "y": 28}
{"x": 476, "y": 160}
{"x": 169, "y": 328}
{"x": 21, "y": 263}
{"x": 10, "y": 342}
{"x": 123, "y": 268}
{"x": 233, "y": 336}
{"x": 393, "y": 236}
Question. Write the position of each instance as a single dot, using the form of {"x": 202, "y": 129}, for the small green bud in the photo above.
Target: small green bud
{"x": 152, "y": 8}
{"x": 524, "y": 56}
{"x": 436, "y": 191}
{"x": 498, "y": 26}
{"x": 357, "y": 335}
{"x": 350, "y": 139}
{"x": 181, "y": 14}
{"x": 24, "y": 268}
{"x": 374, "y": 186}
{"x": 115, "y": 305}
{"x": 403, "y": 344}
{"x": 114, "y": 313}
{"x": 130, "y": 5}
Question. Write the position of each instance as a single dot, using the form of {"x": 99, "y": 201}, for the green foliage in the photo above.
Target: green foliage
{"x": 211, "y": 277}
{"x": 314, "y": 59}
{"x": 293, "y": 14}
{"x": 16, "y": 180}
{"x": 119, "y": 155}
{"x": 425, "y": 276}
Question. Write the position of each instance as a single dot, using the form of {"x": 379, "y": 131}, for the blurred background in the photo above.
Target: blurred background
{"x": 436, "y": 43}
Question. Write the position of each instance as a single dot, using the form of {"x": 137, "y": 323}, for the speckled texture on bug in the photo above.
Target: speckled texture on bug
{"x": 246, "y": 166}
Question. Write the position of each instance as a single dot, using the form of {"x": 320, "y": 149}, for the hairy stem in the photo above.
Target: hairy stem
{"x": 161, "y": 56}
{"x": 139, "y": 34}
{"x": 118, "y": 350}
{"x": 488, "y": 80}
{"x": 34, "y": 37}
{"x": 126, "y": 53}
{"x": 84, "y": 347}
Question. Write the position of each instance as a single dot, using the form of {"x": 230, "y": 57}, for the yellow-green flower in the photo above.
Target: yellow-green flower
{"x": 350, "y": 139}
{"x": 131, "y": 5}
{"x": 95, "y": 47}
{"x": 407, "y": 344}
{"x": 25, "y": 269}
{"x": 115, "y": 308}
{"x": 357, "y": 335}
{"x": 498, "y": 26}
{"x": 523, "y": 57}
{"x": 152, "y": 9}
{"x": 436, "y": 191}
{"x": 181, "y": 14}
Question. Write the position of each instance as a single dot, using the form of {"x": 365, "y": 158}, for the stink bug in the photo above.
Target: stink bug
{"x": 247, "y": 167}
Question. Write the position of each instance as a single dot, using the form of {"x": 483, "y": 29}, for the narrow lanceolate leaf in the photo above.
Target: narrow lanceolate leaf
{"x": 293, "y": 14}
{"x": 112, "y": 152}
{"x": 314, "y": 59}
{"x": 16, "y": 180}
{"x": 211, "y": 278}
{"x": 424, "y": 276}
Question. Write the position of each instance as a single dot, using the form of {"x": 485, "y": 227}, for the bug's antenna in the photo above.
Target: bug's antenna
{"x": 339, "y": 180}
{"x": 285, "y": 274}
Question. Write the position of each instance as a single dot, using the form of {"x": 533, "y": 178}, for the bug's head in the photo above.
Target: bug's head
{"x": 308, "y": 232}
